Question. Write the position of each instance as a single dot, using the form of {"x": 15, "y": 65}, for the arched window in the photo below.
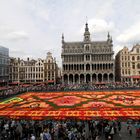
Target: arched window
{"x": 138, "y": 57}
{"x": 87, "y": 67}
{"x": 138, "y": 65}
{"x": 22, "y": 64}
{"x": 133, "y": 65}
{"x": 87, "y": 57}
{"x": 122, "y": 71}
{"x": 137, "y": 50}
{"x": 133, "y": 58}
{"x": 125, "y": 58}
{"x": 87, "y": 47}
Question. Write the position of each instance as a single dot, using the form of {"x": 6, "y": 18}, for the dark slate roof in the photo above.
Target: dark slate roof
{"x": 76, "y": 44}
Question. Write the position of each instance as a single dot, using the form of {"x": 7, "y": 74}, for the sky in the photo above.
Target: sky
{"x": 31, "y": 28}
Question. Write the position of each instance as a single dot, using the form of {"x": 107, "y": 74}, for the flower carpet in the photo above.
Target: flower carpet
{"x": 79, "y": 105}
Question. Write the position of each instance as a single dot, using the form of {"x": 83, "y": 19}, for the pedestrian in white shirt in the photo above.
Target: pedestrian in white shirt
{"x": 32, "y": 137}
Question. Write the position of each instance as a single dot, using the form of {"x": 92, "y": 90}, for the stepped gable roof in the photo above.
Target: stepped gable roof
{"x": 30, "y": 62}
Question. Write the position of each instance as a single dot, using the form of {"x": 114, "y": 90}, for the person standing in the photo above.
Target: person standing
{"x": 46, "y": 135}
{"x": 112, "y": 132}
{"x": 129, "y": 128}
{"x": 98, "y": 137}
{"x": 106, "y": 131}
{"x": 32, "y": 137}
{"x": 41, "y": 136}
{"x": 119, "y": 126}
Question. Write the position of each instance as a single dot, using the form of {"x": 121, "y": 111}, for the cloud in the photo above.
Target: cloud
{"x": 39, "y": 10}
{"x": 17, "y": 35}
{"x": 105, "y": 9}
{"x": 23, "y": 54}
{"x": 43, "y": 14}
{"x": 35, "y": 26}
{"x": 16, "y": 52}
{"x": 11, "y": 33}
{"x": 99, "y": 26}
{"x": 117, "y": 48}
{"x": 130, "y": 35}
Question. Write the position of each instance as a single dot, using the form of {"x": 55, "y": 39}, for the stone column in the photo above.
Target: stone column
{"x": 35, "y": 74}
{"x": 73, "y": 79}
{"x": 84, "y": 68}
{"x": 91, "y": 78}
{"x": 108, "y": 78}
{"x": 113, "y": 77}
{"x": 84, "y": 78}
{"x": 79, "y": 78}
{"x": 97, "y": 78}
{"x": 62, "y": 79}
{"x": 90, "y": 68}
{"x": 102, "y": 78}
{"x": 68, "y": 79}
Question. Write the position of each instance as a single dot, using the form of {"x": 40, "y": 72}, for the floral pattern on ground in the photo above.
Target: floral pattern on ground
{"x": 125, "y": 100}
{"x": 67, "y": 100}
{"x": 97, "y": 105}
{"x": 73, "y": 104}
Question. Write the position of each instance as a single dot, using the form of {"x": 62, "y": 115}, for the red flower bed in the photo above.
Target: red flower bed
{"x": 115, "y": 104}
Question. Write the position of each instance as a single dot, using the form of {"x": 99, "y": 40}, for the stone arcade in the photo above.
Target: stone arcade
{"x": 88, "y": 61}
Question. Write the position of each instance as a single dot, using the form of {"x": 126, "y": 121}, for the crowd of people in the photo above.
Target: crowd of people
{"x": 64, "y": 129}
{"x": 58, "y": 130}
{"x": 13, "y": 90}
{"x": 101, "y": 86}
{"x": 61, "y": 130}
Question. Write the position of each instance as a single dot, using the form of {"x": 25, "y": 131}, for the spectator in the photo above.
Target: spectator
{"x": 46, "y": 135}
{"x": 32, "y": 137}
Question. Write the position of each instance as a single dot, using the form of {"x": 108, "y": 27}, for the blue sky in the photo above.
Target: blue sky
{"x": 31, "y": 28}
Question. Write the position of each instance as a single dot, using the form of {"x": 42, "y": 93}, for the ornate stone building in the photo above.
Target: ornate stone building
{"x": 128, "y": 65}
{"x": 26, "y": 71}
{"x": 32, "y": 71}
{"x": 50, "y": 69}
{"x": 87, "y": 61}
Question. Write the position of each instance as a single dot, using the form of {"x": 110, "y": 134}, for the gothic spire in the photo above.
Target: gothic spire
{"x": 86, "y": 28}
{"x": 111, "y": 39}
{"x": 108, "y": 36}
{"x": 86, "y": 33}
{"x": 62, "y": 38}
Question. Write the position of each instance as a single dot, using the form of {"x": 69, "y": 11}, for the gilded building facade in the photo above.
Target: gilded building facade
{"x": 33, "y": 71}
{"x": 87, "y": 61}
{"x": 128, "y": 65}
